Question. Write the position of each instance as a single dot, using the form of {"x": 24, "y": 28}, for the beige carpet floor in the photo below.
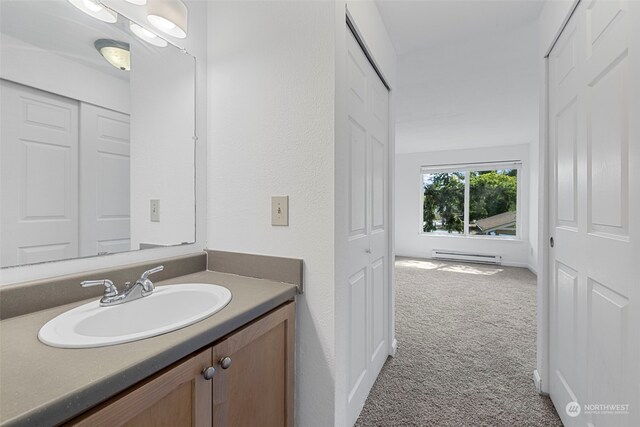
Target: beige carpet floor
{"x": 466, "y": 350}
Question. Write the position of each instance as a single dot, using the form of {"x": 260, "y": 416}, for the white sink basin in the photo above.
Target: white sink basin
{"x": 168, "y": 308}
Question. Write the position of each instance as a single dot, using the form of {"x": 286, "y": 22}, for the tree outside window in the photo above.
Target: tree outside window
{"x": 487, "y": 199}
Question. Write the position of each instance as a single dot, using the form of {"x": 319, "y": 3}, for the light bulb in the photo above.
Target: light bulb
{"x": 147, "y": 35}
{"x": 95, "y": 10}
{"x": 162, "y": 23}
{"x": 94, "y": 7}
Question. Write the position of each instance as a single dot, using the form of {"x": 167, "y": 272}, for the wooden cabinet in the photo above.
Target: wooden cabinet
{"x": 253, "y": 383}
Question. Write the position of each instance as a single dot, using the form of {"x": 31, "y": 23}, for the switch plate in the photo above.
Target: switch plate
{"x": 155, "y": 210}
{"x": 280, "y": 210}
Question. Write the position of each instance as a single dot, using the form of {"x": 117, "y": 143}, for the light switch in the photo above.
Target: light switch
{"x": 280, "y": 210}
{"x": 155, "y": 210}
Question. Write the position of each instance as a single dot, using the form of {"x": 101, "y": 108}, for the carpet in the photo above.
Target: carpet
{"x": 466, "y": 350}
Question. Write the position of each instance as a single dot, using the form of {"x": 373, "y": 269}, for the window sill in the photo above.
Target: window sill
{"x": 491, "y": 238}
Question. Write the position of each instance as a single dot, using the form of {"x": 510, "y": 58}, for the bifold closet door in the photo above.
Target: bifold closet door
{"x": 594, "y": 153}
{"x": 39, "y": 173}
{"x": 368, "y": 238}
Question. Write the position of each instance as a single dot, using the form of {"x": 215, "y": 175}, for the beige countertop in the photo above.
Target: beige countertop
{"x": 42, "y": 385}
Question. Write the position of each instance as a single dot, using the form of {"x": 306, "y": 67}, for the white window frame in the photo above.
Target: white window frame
{"x": 467, "y": 168}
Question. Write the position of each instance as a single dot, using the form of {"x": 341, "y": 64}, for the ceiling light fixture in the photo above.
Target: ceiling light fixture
{"x": 168, "y": 16}
{"x": 147, "y": 35}
{"x": 115, "y": 52}
{"x": 95, "y": 10}
{"x": 138, "y": 2}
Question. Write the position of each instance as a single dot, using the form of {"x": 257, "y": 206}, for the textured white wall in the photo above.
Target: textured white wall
{"x": 271, "y": 132}
{"x": 274, "y": 122}
{"x": 409, "y": 240}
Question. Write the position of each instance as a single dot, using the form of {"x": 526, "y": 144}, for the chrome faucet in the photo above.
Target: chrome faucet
{"x": 141, "y": 288}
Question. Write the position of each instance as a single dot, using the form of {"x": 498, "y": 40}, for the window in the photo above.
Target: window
{"x": 471, "y": 200}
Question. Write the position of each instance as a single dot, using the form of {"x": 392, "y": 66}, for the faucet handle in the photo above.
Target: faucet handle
{"x": 110, "y": 289}
{"x": 146, "y": 274}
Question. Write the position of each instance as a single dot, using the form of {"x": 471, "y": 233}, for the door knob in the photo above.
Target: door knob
{"x": 551, "y": 242}
{"x": 225, "y": 362}
{"x": 208, "y": 373}
{"x": 368, "y": 250}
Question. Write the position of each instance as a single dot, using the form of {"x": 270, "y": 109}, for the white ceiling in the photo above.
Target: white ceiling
{"x": 467, "y": 73}
{"x": 420, "y": 24}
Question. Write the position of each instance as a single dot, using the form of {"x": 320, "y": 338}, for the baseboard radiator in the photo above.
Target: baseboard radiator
{"x": 466, "y": 257}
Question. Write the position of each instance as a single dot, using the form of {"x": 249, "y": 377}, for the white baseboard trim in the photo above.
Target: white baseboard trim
{"x": 394, "y": 347}
{"x": 514, "y": 264}
{"x": 504, "y": 263}
{"x": 537, "y": 381}
{"x": 532, "y": 269}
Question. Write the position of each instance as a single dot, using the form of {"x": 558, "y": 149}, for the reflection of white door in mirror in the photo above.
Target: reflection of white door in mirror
{"x": 104, "y": 181}
{"x": 39, "y": 176}
{"x": 65, "y": 177}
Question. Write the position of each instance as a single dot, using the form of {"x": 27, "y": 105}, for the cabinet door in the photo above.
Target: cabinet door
{"x": 256, "y": 389}
{"x": 180, "y": 396}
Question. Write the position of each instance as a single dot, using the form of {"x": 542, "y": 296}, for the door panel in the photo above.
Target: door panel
{"x": 358, "y": 180}
{"x": 608, "y": 329}
{"x": 378, "y": 178}
{"x": 357, "y": 324}
{"x": 594, "y": 286}
{"x": 378, "y": 275}
{"x": 566, "y": 152}
{"x": 368, "y": 201}
{"x": 105, "y": 214}
{"x": 39, "y": 152}
{"x": 608, "y": 152}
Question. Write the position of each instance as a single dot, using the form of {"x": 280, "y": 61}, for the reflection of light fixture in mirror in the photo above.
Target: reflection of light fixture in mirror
{"x": 95, "y": 10}
{"x": 115, "y": 52}
{"x": 147, "y": 35}
{"x": 169, "y": 16}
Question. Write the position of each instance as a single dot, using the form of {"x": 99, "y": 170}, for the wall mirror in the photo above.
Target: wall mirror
{"x": 97, "y": 135}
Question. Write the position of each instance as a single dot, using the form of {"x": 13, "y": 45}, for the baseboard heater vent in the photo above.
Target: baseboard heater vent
{"x": 466, "y": 257}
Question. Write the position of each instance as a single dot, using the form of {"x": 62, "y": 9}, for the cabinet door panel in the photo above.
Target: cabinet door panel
{"x": 178, "y": 397}
{"x": 257, "y": 389}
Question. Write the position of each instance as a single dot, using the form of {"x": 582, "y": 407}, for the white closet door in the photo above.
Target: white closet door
{"x": 39, "y": 151}
{"x": 594, "y": 119}
{"x": 105, "y": 214}
{"x": 368, "y": 203}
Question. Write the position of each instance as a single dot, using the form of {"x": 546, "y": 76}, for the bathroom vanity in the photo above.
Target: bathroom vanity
{"x": 233, "y": 368}
{"x": 244, "y": 379}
